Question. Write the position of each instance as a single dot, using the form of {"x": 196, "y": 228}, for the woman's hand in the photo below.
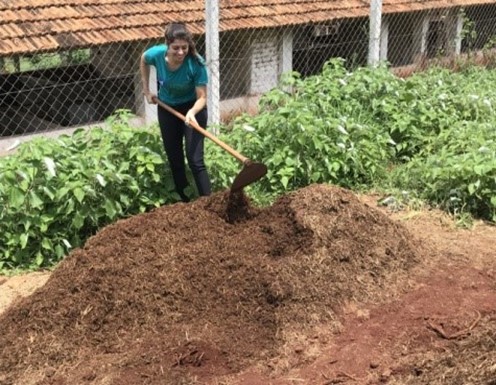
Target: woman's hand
{"x": 190, "y": 117}
{"x": 150, "y": 97}
{"x": 201, "y": 102}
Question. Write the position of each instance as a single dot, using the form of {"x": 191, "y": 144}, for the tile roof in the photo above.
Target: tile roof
{"x": 46, "y": 25}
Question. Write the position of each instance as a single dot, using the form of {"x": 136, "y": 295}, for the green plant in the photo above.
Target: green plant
{"x": 54, "y": 194}
{"x": 429, "y": 139}
{"x": 457, "y": 170}
{"x": 315, "y": 130}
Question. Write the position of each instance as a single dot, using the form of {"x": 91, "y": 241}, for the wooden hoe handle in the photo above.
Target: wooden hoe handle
{"x": 210, "y": 136}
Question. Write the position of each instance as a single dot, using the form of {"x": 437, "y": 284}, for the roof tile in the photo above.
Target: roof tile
{"x": 46, "y": 25}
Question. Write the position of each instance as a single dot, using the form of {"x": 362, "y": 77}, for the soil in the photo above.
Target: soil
{"x": 323, "y": 287}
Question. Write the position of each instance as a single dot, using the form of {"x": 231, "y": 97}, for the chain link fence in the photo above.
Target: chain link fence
{"x": 44, "y": 92}
{"x": 252, "y": 61}
{"x": 51, "y": 91}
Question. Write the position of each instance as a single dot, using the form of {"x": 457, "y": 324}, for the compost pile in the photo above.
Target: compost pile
{"x": 201, "y": 289}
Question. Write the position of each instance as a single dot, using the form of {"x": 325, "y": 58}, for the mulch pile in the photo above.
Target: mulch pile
{"x": 202, "y": 289}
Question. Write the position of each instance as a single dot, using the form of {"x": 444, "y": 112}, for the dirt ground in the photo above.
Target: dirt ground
{"x": 324, "y": 287}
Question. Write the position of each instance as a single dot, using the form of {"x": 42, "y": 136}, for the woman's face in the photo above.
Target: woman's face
{"x": 178, "y": 50}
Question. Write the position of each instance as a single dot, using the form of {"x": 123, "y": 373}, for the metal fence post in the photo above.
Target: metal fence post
{"x": 212, "y": 56}
{"x": 375, "y": 32}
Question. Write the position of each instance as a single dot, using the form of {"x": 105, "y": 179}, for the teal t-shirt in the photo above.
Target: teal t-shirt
{"x": 178, "y": 86}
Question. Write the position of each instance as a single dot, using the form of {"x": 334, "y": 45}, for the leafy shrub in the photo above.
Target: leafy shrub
{"x": 436, "y": 100}
{"x": 314, "y": 134}
{"x": 55, "y": 193}
{"x": 430, "y": 136}
{"x": 457, "y": 170}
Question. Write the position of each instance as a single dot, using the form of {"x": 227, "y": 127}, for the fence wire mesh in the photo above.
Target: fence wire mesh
{"x": 80, "y": 86}
{"x": 43, "y": 92}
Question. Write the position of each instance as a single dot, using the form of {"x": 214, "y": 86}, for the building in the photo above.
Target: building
{"x": 68, "y": 63}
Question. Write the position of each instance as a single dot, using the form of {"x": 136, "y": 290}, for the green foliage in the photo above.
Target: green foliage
{"x": 45, "y": 60}
{"x": 435, "y": 129}
{"x": 452, "y": 164}
{"x": 316, "y": 133}
{"x": 457, "y": 170}
{"x": 429, "y": 137}
{"x": 54, "y": 194}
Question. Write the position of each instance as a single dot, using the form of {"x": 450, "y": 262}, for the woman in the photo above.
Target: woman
{"x": 182, "y": 80}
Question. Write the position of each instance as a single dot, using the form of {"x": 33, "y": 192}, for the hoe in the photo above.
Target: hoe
{"x": 251, "y": 172}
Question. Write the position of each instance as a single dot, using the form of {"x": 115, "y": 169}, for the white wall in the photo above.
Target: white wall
{"x": 454, "y": 27}
{"x": 264, "y": 64}
{"x": 270, "y": 54}
{"x": 286, "y": 51}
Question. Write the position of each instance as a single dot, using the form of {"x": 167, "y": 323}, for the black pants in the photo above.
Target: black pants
{"x": 173, "y": 131}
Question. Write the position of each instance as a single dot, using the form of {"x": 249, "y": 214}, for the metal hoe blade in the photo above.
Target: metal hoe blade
{"x": 251, "y": 172}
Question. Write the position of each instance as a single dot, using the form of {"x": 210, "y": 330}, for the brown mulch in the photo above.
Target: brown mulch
{"x": 189, "y": 292}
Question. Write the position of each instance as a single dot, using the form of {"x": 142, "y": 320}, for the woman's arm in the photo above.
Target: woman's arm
{"x": 201, "y": 102}
{"x": 145, "y": 79}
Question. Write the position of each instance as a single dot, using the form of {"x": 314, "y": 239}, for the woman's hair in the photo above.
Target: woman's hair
{"x": 179, "y": 31}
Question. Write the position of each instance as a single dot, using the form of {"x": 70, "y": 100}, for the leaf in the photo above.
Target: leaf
{"x": 50, "y": 165}
{"x": 39, "y": 259}
{"x": 23, "y": 175}
{"x": 48, "y": 192}
{"x": 479, "y": 169}
{"x": 248, "y": 128}
{"x": 59, "y": 251}
{"x": 335, "y": 166}
{"x": 78, "y": 221}
{"x": 46, "y": 244}
{"x": 285, "y": 181}
{"x": 110, "y": 209}
{"x": 69, "y": 207}
{"x": 27, "y": 224}
{"x": 156, "y": 159}
{"x": 315, "y": 176}
{"x": 35, "y": 200}
{"x": 62, "y": 192}
{"x": 101, "y": 180}
{"x": 342, "y": 130}
{"x": 471, "y": 188}
{"x": 79, "y": 194}
{"x": 290, "y": 161}
{"x": 16, "y": 197}
{"x": 493, "y": 200}
{"x": 24, "y": 240}
{"x": 124, "y": 199}
{"x": 124, "y": 166}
